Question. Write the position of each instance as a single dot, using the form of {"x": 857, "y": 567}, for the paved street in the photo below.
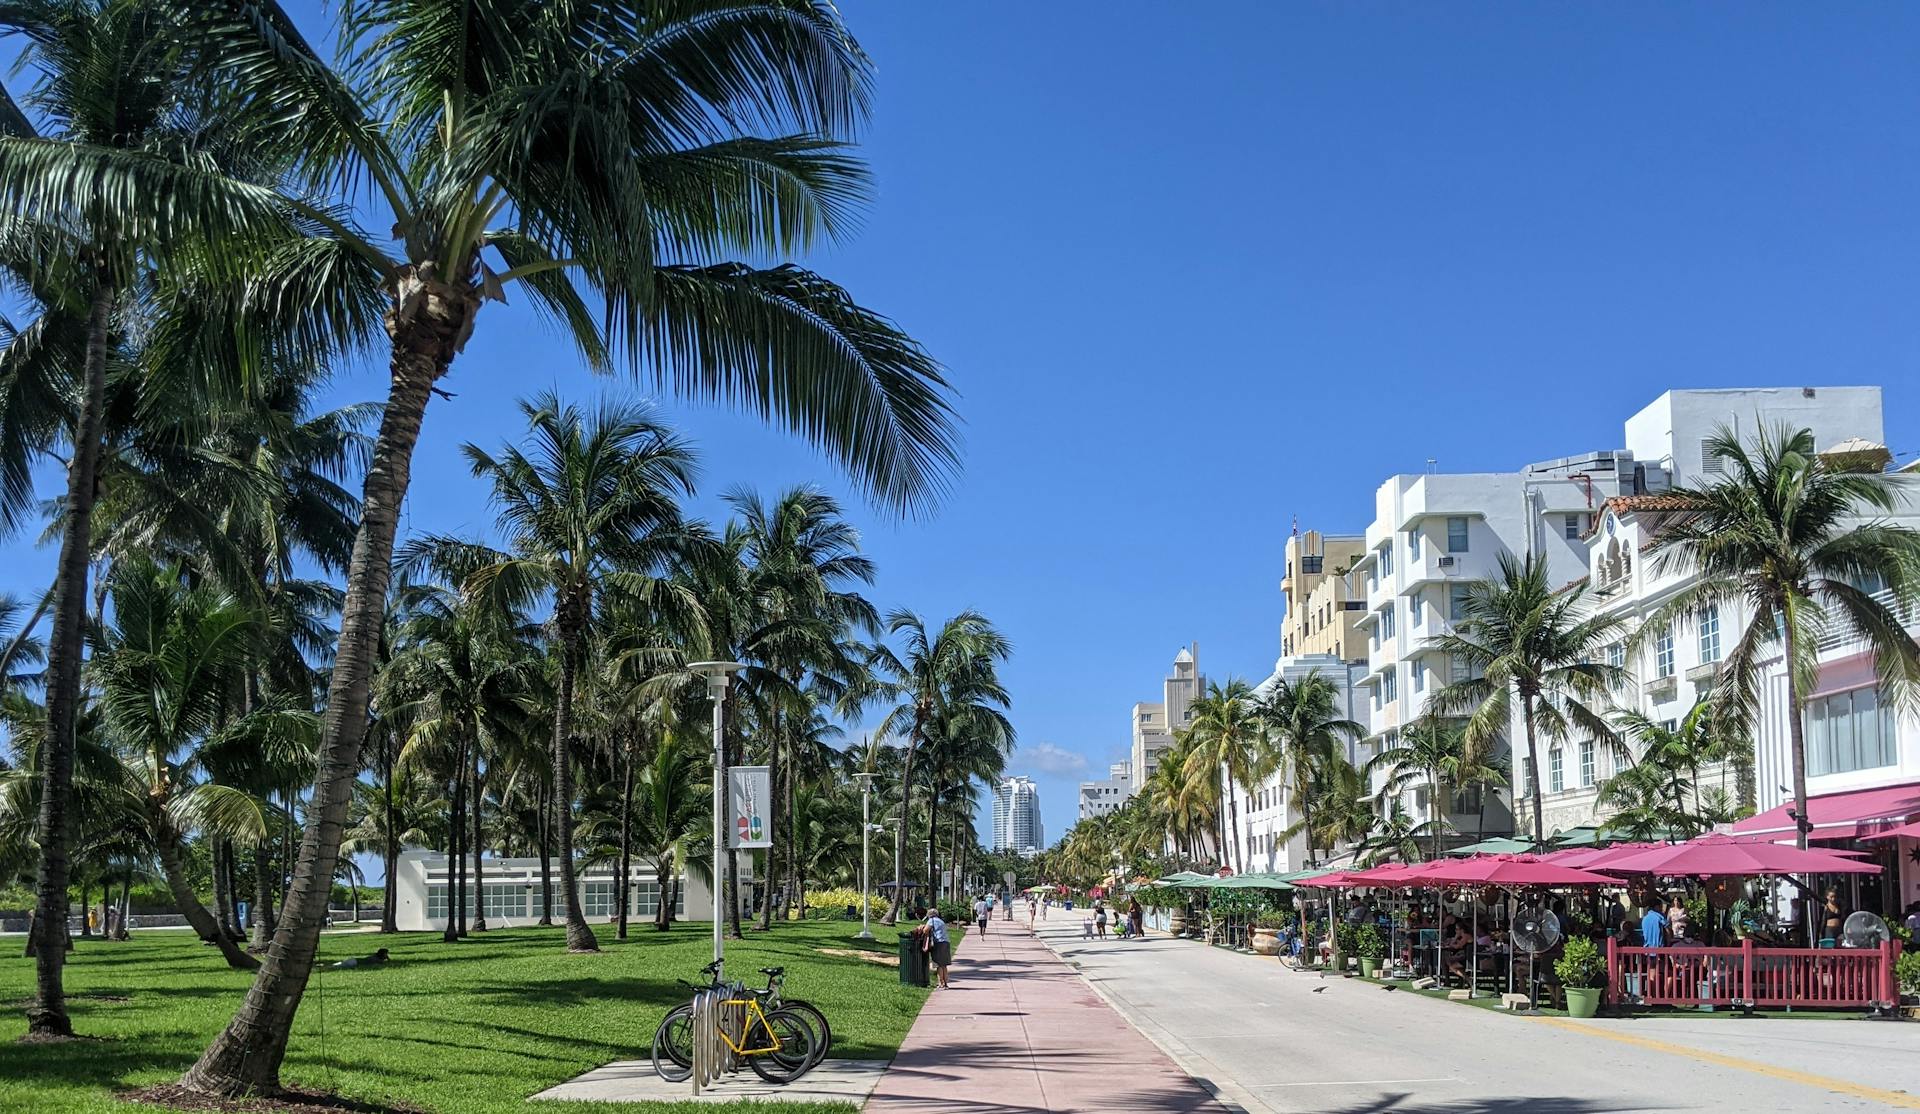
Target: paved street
{"x": 1268, "y": 1039}
{"x": 1020, "y": 1033}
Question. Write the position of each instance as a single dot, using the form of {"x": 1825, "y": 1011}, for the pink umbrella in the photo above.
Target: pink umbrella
{"x": 1388, "y": 875}
{"x": 1510, "y": 870}
{"x": 1715, "y": 856}
{"x": 1590, "y": 858}
{"x": 1910, "y": 831}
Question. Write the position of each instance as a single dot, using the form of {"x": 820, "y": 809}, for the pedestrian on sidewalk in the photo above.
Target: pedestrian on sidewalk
{"x": 1138, "y": 918}
{"x": 939, "y": 949}
{"x": 1033, "y": 907}
{"x": 982, "y": 913}
{"x": 1100, "y": 920}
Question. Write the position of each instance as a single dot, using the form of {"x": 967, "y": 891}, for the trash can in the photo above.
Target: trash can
{"x": 913, "y": 961}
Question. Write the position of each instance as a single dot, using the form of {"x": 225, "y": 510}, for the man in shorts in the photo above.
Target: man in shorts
{"x": 982, "y": 913}
{"x": 939, "y": 949}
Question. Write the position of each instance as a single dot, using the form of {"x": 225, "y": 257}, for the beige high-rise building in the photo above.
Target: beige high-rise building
{"x": 1323, "y": 608}
{"x": 1154, "y": 724}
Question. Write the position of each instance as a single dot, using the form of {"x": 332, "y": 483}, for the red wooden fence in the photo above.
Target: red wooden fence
{"x": 1752, "y": 976}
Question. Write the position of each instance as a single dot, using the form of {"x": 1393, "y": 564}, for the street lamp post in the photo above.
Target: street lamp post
{"x": 866, "y": 846}
{"x": 718, "y": 675}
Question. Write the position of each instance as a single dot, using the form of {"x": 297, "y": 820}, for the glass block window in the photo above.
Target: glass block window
{"x": 597, "y": 899}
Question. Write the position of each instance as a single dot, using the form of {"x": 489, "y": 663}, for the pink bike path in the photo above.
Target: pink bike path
{"x": 1020, "y": 1030}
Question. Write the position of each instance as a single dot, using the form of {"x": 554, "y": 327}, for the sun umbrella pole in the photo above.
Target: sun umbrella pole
{"x": 1473, "y": 973}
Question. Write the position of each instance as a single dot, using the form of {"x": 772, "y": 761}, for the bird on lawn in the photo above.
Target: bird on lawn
{"x": 1389, "y": 986}
{"x": 1319, "y": 990}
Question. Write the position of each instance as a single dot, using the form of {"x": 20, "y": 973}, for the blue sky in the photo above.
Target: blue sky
{"x": 1199, "y": 270}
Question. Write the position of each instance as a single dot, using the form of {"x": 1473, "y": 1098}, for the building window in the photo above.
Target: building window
{"x": 597, "y": 899}
{"x": 1850, "y": 731}
{"x": 436, "y": 901}
{"x": 1663, "y": 652}
{"x": 1556, "y": 776}
{"x": 1386, "y": 621}
{"x": 1457, "y": 601}
{"x": 1390, "y": 683}
{"x": 646, "y": 899}
{"x": 1526, "y": 775}
{"x": 1386, "y": 558}
{"x": 1413, "y": 544}
{"x": 506, "y": 899}
{"x": 1419, "y": 675}
{"x": 1413, "y": 611}
{"x": 1710, "y": 633}
{"x": 1456, "y": 534}
{"x": 1570, "y": 524}
{"x": 1617, "y": 655}
{"x": 1586, "y": 763}
{"x": 1710, "y": 461}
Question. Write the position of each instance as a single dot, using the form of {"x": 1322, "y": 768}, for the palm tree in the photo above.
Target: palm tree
{"x": 1346, "y": 813}
{"x": 951, "y": 673}
{"x": 1431, "y": 749}
{"x": 1520, "y": 637}
{"x": 1302, "y": 719}
{"x": 164, "y": 667}
{"x": 1228, "y": 742}
{"x": 672, "y": 807}
{"x": 1791, "y": 536}
{"x": 536, "y": 166}
{"x": 1394, "y": 837}
{"x": 111, "y": 85}
{"x": 597, "y": 501}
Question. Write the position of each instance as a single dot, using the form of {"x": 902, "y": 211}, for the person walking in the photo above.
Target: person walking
{"x": 1653, "y": 923}
{"x": 1100, "y": 920}
{"x": 939, "y": 948}
{"x": 1138, "y": 917}
{"x": 982, "y": 913}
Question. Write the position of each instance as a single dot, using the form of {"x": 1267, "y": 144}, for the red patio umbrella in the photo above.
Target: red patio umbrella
{"x": 1510, "y": 870}
{"x": 1716, "y": 856}
{"x": 1590, "y": 858}
{"x": 1388, "y": 875}
{"x": 1910, "y": 831}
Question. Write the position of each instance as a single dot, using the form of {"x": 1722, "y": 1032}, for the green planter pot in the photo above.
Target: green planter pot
{"x": 1583, "y": 1001}
{"x": 1370, "y": 966}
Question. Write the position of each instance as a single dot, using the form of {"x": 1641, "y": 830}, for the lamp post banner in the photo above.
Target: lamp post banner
{"x": 748, "y": 790}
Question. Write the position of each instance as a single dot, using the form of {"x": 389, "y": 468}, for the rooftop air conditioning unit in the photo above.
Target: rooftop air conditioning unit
{"x": 1446, "y": 562}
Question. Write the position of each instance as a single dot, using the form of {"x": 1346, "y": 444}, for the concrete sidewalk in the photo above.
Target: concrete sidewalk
{"x": 1020, "y": 1030}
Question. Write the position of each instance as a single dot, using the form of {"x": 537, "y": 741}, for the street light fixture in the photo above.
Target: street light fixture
{"x": 866, "y": 846}
{"x": 718, "y": 675}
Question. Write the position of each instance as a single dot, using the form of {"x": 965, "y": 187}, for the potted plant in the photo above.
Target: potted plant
{"x": 1583, "y": 971}
{"x": 1266, "y": 931}
{"x": 1371, "y": 948}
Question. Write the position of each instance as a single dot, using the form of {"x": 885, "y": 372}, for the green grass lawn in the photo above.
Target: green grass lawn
{"x": 475, "y": 1026}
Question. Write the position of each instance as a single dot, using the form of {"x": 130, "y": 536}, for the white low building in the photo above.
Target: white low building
{"x": 1261, "y": 816}
{"x": 514, "y": 896}
{"x": 1097, "y": 798}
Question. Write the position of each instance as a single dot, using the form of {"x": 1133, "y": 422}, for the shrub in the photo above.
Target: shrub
{"x": 1581, "y": 966}
{"x": 1367, "y": 942}
{"x": 956, "y": 912}
{"x": 1907, "y": 970}
{"x": 1275, "y": 919}
{"x": 829, "y": 905}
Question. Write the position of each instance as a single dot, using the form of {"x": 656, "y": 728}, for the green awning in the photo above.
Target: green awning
{"x": 1251, "y": 882}
{"x": 1314, "y": 872}
{"x": 1498, "y": 845}
{"x": 1592, "y": 836}
{"x": 1183, "y": 879}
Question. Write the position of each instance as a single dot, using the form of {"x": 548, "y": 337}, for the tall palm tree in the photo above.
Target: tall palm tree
{"x": 672, "y": 807}
{"x": 1430, "y": 749}
{"x": 1519, "y": 638}
{"x": 1230, "y": 744}
{"x": 111, "y": 83}
{"x": 1793, "y": 537}
{"x": 952, "y": 672}
{"x": 1394, "y": 836}
{"x": 1303, "y": 720}
{"x": 596, "y": 501}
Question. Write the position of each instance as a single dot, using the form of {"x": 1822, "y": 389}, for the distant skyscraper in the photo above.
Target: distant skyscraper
{"x": 1016, "y": 816}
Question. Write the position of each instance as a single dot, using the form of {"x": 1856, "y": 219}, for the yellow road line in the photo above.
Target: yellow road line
{"x": 1825, "y": 1083}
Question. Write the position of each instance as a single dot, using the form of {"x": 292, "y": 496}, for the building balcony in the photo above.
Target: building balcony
{"x": 1705, "y": 672}
{"x": 1661, "y": 688}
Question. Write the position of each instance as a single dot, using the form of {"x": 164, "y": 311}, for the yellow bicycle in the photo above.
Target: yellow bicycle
{"x": 780, "y": 1045}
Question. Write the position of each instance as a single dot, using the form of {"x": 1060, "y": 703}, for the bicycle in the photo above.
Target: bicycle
{"x": 781, "y": 1039}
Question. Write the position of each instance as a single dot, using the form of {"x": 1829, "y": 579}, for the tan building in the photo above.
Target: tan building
{"x": 1154, "y": 724}
{"x": 1323, "y": 609}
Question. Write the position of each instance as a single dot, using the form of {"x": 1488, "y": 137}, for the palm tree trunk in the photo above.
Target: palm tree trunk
{"x": 455, "y": 899}
{"x": 262, "y": 911}
{"x": 1797, "y": 736}
{"x": 126, "y": 903}
{"x": 478, "y": 841}
{"x": 900, "y": 828}
{"x": 544, "y": 829}
{"x": 1439, "y": 809}
{"x": 426, "y": 322}
{"x": 797, "y": 884}
{"x": 1533, "y": 764}
{"x": 579, "y": 936}
{"x": 664, "y": 878}
{"x": 390, "y": 843}
{"x": 774, "y": 768}
{"x": 626, "y": 840}
{"x": 175, "y": 871}
{"x": 47, "y": 1013}
{"x": 222, "y": 903}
